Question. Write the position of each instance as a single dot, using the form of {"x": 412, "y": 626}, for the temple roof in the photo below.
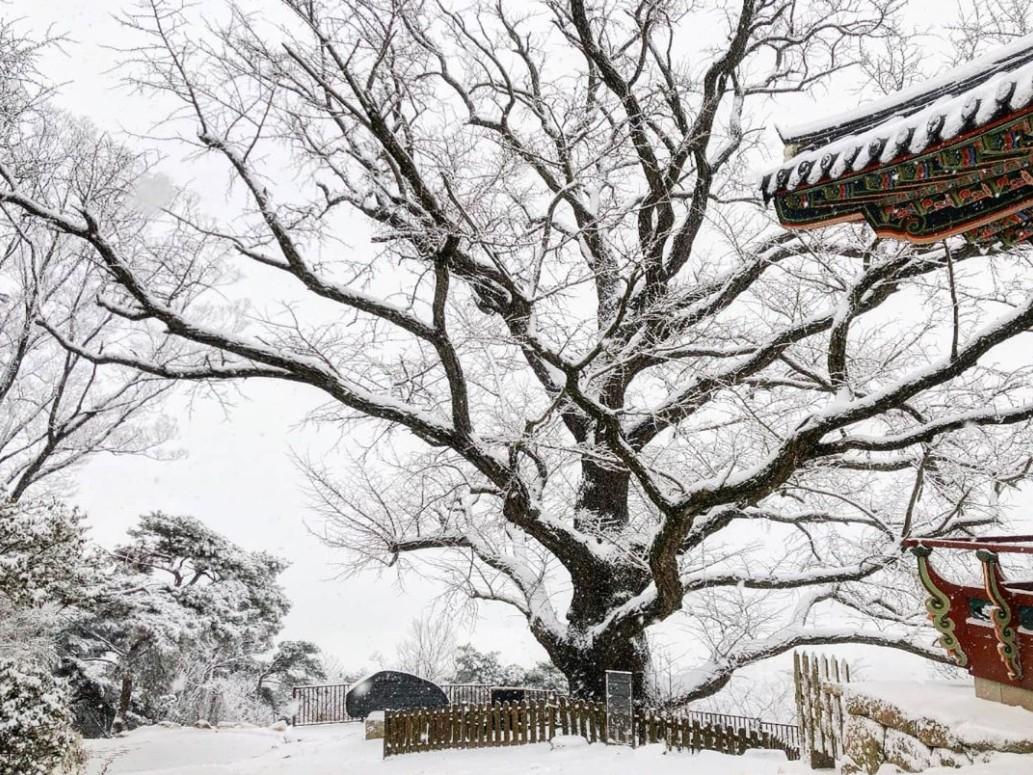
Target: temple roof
{"x": 911, "y": 130}
{"x": 950, "y": 156}
{"x": 960, "y": 80}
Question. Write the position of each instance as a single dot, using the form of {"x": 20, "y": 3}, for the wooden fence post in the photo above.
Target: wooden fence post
{"x": 819, "y": 707}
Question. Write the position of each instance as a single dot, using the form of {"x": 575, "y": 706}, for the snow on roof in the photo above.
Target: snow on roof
{"x": 960, "y": 79}
{"x": 906, "y": 135}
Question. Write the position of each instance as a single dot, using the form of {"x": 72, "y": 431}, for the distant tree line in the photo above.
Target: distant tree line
{"x": 430, "y": 650}
{"x": 485, "y": 667}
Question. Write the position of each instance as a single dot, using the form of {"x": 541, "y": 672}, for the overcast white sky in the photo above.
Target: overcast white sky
{"x": 236, "y": 473}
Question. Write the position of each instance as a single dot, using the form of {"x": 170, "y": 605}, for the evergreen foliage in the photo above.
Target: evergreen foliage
{"x": 484, "y": 667}
{"x": 41, "y": 542}
{"x": 176, "y": 612}
{"x": 36, "y": 736}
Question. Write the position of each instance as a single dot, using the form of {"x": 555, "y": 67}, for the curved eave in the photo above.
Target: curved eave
{"x": 999, "y": 99}
{"x": 962, "y": 79}
{"x": 978, "y": 183}
{"x": 893, "y": 232}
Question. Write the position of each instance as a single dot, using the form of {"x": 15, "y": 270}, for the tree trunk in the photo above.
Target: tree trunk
{"x": 586, "y": 668}
{"x": 602, "y": 506}
{"x": 124, "y": 699}
{"x": 602, "y": 497}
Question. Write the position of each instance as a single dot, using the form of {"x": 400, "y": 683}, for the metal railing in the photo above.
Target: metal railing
{"x": 787, "y": 733}
{"x": 322, "y": 704}
{"x": 325, "y": 703}
{"x": 481, "y": 694}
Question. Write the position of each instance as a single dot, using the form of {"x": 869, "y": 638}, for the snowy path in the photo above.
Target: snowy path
{"x": 341, "y": 750}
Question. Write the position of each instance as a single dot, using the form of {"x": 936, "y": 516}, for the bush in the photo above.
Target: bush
{"x": 36, "y": 736}
{"x": 43, "y": 544}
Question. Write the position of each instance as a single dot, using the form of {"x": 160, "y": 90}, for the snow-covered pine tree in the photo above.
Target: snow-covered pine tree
{"x": 178, "y": 608}
{"x": 42, "y": 543}
{"x": 42, "y": 565}
{"x": 292, "y": 663}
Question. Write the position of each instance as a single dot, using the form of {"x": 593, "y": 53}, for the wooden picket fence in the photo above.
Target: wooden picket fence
{"x": 686, "y": 734}
{"x": 788, "y": 735}
{"x": 732, "y": 734}
{"x": 819, "y": 704}
{"x": 488, "y": 726}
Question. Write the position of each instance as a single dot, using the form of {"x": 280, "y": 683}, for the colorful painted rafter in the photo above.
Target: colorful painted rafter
{"x": 989, "y": 629}
{"x": 962, "y": 164}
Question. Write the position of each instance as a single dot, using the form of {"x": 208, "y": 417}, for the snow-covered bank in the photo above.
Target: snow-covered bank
{"x": 341, "y": 750}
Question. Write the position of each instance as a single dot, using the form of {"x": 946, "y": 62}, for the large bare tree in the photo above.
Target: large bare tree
{"x": 56, "y": 407}
{"x": 521, "y": 255}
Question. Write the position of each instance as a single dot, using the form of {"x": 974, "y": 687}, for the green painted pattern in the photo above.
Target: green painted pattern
{"x": 938, "y": 606}
{"x": 1001, "y": 616}
{"x": 980, "y": 184}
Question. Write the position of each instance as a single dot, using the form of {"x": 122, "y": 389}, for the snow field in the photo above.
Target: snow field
{"x": 342, "y": 750}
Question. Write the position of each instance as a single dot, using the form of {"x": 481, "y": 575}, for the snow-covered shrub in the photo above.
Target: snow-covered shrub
{"x": 226, "y": 698}
{"x": 293, "y": 663}
{"x": 41, "y": 548}
{"x": 31, "y": 633}
{"x": 36, "y": 736}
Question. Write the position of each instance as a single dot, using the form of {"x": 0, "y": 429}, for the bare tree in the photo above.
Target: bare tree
{"x": 429, "y": 649}
{"x": 57, "y": 408}
{"x": 600, "y": 387}
{"x": 997, "y": 22}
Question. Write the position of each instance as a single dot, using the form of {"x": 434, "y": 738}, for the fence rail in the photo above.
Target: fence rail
{"x": 489, "y": 726}
{"x": 467, "y": 694}
{"x": 506, "y": 724}
{"x": 481, "y": 694}
{"x": 323, "y": 704}
{"x": 789, "y": 734}
{"x": 686, "y": 734}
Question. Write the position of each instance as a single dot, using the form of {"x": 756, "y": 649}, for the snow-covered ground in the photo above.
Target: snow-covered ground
{"x": 341, "y": 750}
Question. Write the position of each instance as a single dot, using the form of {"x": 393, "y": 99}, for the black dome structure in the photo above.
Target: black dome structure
{"x": 393, "y": 690}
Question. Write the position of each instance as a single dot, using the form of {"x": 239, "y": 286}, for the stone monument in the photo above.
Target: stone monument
{"x": 619, "y": 707}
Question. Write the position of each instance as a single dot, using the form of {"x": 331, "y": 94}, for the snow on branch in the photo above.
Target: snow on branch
{"x": 572, "y": 367}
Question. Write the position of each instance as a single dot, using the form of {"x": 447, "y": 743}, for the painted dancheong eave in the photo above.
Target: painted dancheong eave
{"x": 961, "y": 165}
{"x": 979, "y": 184}
{"x": 982, "y": 628}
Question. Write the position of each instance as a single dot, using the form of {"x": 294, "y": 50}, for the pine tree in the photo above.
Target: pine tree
{"x": 178, "y": 605}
